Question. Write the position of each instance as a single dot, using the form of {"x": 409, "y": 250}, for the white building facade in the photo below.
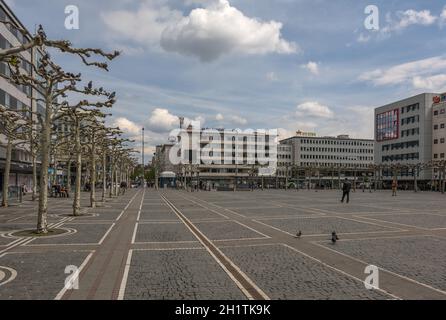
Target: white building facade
{"x": 331, "y": 158}
{"x": 403, "y": 139}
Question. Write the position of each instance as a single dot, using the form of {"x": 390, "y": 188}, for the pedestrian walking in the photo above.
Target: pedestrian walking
{"x": 346, "y": 187}
{"x": 394, "y": 187}
{"x": 123, "y": 187}
{"x": 334, "y": 237}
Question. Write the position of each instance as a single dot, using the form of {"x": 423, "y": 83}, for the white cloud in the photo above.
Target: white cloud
{"x": 208, "y": 32}
{"x": 356, "y": 121}
{"x": 409, "y": 18}
{"x": 313, "y": 109}
{"x": 432, "y": 83}
{"x": 144, "y": 26}
{"x": 218, "y": 29}
{"x": 313, "y": 67}
{"x": 412, "y": 17}
{"x": 285, "y": 133}
{"x": 418, "y": 73}
{"x": 163, "y": 120}
{"x": 127, "y": 126}
{"x": 239, "y": 120}
{"x": 232, "y": 119}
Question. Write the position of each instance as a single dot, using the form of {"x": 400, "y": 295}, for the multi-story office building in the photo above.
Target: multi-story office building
{"x": 222, "y": 157}
{"x": 17, "y": 97}
{"x": 284, "y": 160}
{"x": 328, "y": 157}
{"x": 403, "y": 138}
{"x": 438, "y": 131}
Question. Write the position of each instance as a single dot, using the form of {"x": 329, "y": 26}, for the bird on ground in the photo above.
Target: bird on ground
{"x": 299, "y": 234}
{"x": 334, "y": 237}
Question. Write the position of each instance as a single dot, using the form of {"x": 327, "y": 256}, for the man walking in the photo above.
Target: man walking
{"x": 346, "y": 187}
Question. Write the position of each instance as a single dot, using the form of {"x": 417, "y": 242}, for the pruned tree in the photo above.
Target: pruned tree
{"x": 34, "y": 150}
{"x": 53, "y": 83}
{"x": 14, "y": 127}
{"x": 84, "y": 117}
{"x": 106, "y": 138}
{"x": 98, "y": 139}
{"x": 40, "y": 40}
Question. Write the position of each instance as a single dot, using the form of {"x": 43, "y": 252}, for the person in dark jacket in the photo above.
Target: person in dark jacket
{"x": 334, "y": 237}
{"x": 346, "y": 187}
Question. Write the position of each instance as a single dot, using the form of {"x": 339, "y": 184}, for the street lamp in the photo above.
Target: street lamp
{"x": 142, "y": 155}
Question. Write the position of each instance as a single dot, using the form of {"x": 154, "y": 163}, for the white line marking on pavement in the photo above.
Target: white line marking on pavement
{"x": 106, "y": 234}
{"x": 64, "y": 289}
{"x": 167, "y": 242}
{"x": 125, "y": 276}
{"x": 391, "y": 272}
{"x": 134, "y": 233}
{"x": 128, "y": 204}
{"x": 245, "y": 277}
{"x": 336, "y": 269}
{"x": 252, "y": 229}
{"x": 273, "y": 227}
{"x": 168, "y": 249}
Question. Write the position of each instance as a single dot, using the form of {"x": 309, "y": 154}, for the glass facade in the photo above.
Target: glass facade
{"x": 387, "y": 125}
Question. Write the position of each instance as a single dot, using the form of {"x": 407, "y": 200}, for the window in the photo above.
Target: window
{"x": 435, "y": 113}
{"x": 442, "y": 140}
{"x": 436, "y": 156}
{"x": 436, "y": 127}
{"x": 387, "y": 125}
{"x": 442, "y": 126}
{"x": 442, "y": 155}
{"x": 442, "y": 111}
{"x": 436, "y": 141}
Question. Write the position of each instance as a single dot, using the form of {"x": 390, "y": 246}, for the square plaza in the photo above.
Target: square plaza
{"x": 173, "y": 244}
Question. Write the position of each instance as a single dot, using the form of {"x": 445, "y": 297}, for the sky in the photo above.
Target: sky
{"x": 308, "y": 65}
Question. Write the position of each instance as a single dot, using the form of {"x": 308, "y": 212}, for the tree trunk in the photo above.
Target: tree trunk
{"x": 104, "y": 176}
{"x": 77, "y": 191}
{"x": 6, "y": 173}
{"x": 43, "y": 192}
{"x": 69, "y": 176}
{"x": 34, "y": 191}
{"x": 112, "y": 174}
{"x": 93, "y": 174}
{"x": 116, "y": 181}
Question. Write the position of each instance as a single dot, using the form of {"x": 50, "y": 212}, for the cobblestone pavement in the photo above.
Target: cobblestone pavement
{"x": 178, "y": 274}
{"x": 286, "y": 274}
{"x": 420, "y": 258}
{"x": 323, "y": 225}
{"x": 172, "y": 244}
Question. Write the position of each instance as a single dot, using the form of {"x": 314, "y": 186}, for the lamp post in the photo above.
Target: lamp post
{"x": 142, "y": 155}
